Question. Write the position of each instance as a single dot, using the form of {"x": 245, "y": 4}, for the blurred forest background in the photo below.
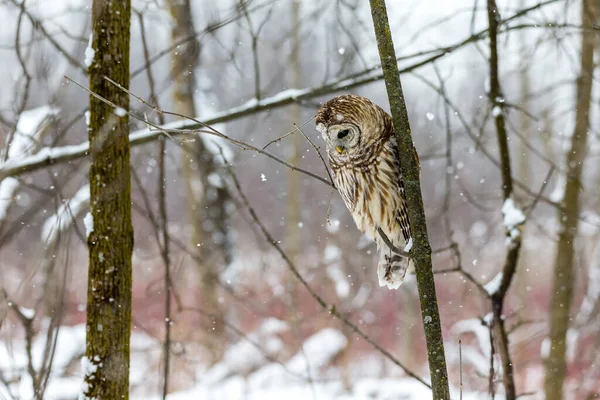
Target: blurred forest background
{"x": 240, "y": 324}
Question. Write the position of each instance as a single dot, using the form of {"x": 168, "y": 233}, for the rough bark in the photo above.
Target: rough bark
{"x": 111, "y": 242}
{"x": 206, "y": 204}
{"x": 421, "y": 252}
{"x": 564, "y": 262}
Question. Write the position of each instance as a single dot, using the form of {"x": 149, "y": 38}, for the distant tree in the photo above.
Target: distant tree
{"x": 206, "y": 202}
{"x": 106, "y": 366}
{"x": 568, "y": 214}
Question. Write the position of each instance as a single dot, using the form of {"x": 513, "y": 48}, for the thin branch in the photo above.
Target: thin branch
{"x": 316, "y": 148}
{"x": 496, "y": 99}
{"x": 39, "y": 26}
{"x": 461, "y": 368}
{"x": 210, "y": 28}
{"x": 26, "y": 86}
{"x": 330, "y": 308}
{"x": 492, "y": 373}
{"x": 27, "y": 322}
{"x": 280, "y": 138}
{"x": 162, "y": 207}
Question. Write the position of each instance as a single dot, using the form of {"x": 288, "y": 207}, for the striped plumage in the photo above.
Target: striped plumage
{"x": 363, "y": 156}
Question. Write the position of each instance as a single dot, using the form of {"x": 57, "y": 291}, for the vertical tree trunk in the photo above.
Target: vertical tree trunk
{"x": 207, "y": 210}
{"x": 110, "y": 244}
{"x": 416, "y": 211}
{"x": 564, "y": 271}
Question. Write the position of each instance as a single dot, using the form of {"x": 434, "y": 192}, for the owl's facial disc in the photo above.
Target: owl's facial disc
{"x": 342, "y": 138}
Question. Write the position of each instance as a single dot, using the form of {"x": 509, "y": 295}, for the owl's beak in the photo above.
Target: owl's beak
{"x": 340, "y": 149}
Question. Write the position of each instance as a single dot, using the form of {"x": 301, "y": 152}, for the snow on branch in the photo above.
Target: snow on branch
{"x": 48, "y": 156}
{"x": 494, "y": 285}
{"x": 65, "y": 214}
{"x": 8, "y": 188}
{"x": 30, "y": 129}
{"x": 513, "y": 219}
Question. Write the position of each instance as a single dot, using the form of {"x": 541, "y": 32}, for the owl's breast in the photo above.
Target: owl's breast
{"x": 371, "y": 193}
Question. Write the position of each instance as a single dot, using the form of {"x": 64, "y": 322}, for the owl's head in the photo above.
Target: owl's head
{"x": 350, "y": 125}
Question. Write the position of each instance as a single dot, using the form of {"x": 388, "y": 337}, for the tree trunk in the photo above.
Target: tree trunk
{"x": 564, "y": 272}
{"x": 416, "y": 211}
{"x": 110, "y": 244}
{"x": 206, "y": 203}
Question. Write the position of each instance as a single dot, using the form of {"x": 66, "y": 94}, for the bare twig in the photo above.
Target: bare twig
{"x": 162, "y": 207}
{"x": 254, "y": 35}
{"x": 210, "y": 28}
{"x": 496, "y": 99}
{"x": 296, "y": 129}
{"x": 330, "y": 308}
{"x": 316, "y": 148}
{"x": 492, "y": 373}
{"x": 461, "y": 368}
{"x": 209, "y": 130}
{"x": 39, "y": 26}
{"x": 27, "y": 322}
{"x": 25, "y": 89}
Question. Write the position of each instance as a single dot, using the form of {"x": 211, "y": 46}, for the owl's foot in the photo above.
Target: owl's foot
{"x": 392, "y": 270}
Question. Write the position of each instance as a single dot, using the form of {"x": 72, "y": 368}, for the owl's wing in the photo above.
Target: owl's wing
{"x": 402, "y": 212}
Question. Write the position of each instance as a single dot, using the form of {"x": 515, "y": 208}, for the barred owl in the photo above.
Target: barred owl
{"x": 363, "y": 155}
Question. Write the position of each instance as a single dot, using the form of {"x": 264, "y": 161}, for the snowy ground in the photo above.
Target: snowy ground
{"x": 248, "y": 371}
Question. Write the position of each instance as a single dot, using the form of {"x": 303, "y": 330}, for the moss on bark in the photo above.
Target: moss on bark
{"x": 111, "y": 242}
{"x": 411, "y": 173}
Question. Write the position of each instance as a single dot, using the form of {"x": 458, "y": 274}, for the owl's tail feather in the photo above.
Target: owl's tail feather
{"x": 392, "y": 267}
{"x": 393, "y": 262}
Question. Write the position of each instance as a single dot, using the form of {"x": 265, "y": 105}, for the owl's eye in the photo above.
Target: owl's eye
{"x": 343, "y": 133}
